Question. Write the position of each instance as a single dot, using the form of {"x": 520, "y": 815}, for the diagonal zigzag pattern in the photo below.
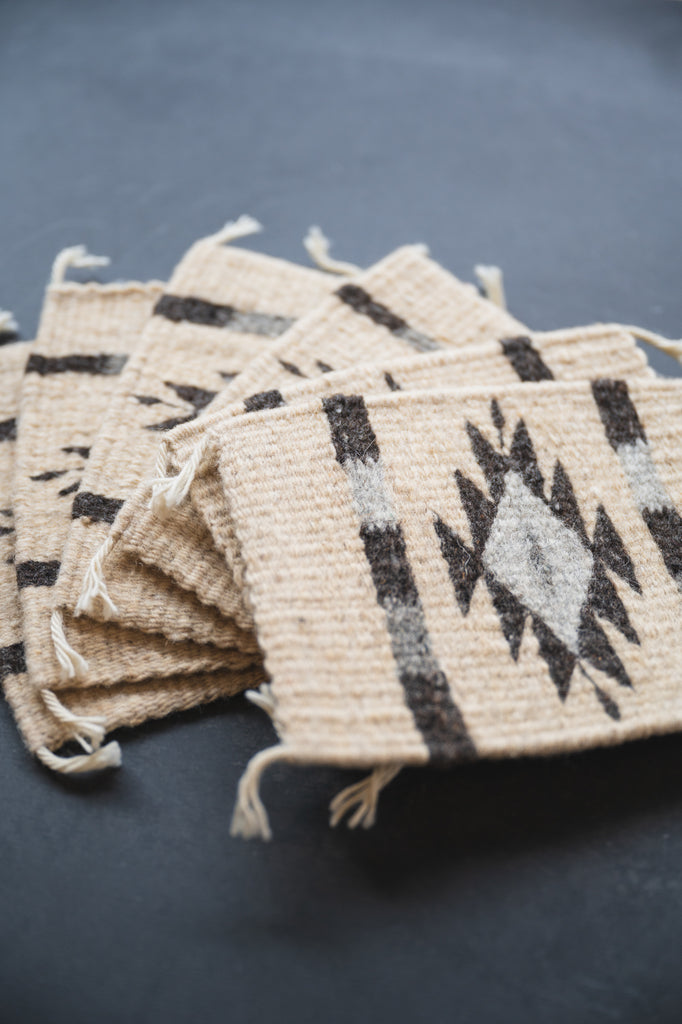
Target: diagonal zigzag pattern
{"x": 535, "y": 556}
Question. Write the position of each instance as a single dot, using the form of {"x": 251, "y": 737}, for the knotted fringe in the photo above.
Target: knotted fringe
{"x": 492, "y": 283}
{"x": 72, "y": 664}
{"x": 7, "y": 321}
{"x": 168, "y": 492}
{"x": 106, "y": 757}
{"x": 89, "y": 732}
{"x": 250, "y": 819}
{"x": 364, "y": 796}
{"x": 234, "y": 229}
{"x": 76, "y": 256}
{"x": 317, "y": 246}
{"x": 94, "y": 587}
{"x": 671, "y": 347}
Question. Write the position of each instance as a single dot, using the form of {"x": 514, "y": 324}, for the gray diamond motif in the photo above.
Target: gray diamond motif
{"x": 539, "y": 565}
{"x": 541, "y": 561}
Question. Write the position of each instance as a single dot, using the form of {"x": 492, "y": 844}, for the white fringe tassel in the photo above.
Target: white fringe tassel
{"x": 106, "y": 757}
{"x": 72, "y": 664}
{"x": 88, "y": 731}
{"x": 318, "y": 245}
{"x": 250, "y": 819}
{"x": 363, "y": 796}
{"x": 239, "y": 228}
{"x": 263, "y": 698}
{"x": 670, "y": 346}
{"x": 492, "y": 283}
{"x": 168, "y": 492}
{"x": 76, "y": 256}
{"x": 94, "y": 587}
{"x": 7, "y": 321}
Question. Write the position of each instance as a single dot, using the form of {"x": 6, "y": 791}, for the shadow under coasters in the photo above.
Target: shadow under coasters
{"x": 46, "y": 724}
{"x": 85, "y": 337}
{"x": 221, "y": 307}
{"x": 405, "y": 304}
{"x": 448, "y": 575}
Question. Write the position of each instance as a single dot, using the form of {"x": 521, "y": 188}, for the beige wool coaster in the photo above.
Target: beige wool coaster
{"x": 406, "y": 303}
{"x": 85, "y": 336}
{"x": 449, "y": 575}
{"x": 222, "y": 306}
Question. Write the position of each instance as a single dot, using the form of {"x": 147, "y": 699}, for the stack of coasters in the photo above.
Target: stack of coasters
{"x": 405, "y": 303}
{"x": 429, "y": 532}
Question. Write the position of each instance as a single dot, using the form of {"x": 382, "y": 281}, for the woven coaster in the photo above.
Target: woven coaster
{"x": 405, "y": 304}
{"x": 438, "y": 576}
{"x": 222, "y": 307}
{"x": 85, "y": 337}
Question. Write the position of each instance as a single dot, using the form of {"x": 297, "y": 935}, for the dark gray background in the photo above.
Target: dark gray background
{"x": 546, "y": 137}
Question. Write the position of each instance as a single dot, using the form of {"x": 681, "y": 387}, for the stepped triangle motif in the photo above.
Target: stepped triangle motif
{"x": 196, "y": 398}
{"x": 535, "y": 556}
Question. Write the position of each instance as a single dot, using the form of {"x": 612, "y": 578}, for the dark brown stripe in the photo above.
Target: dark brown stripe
{"x": 362, "y": 302}
{"x": 96, "y": 507}
{"x": 264, "y": 400}
{"x": 526, "y": 359}
{"x": 108, "y": 365}
{"x": 37, "y": 574}
{"x": 12, "y": 660}
{"x": 617, "y": 411}
{"x": 424, "y": 684}
{"x": 210, "y": 314}
{"x": 8, "y": 430}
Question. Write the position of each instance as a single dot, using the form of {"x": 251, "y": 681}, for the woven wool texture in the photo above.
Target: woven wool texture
{"x": 442, "y": 575}
{"x": 85, "y": 336}
{"x": 223, "y": 305}
{"x": 114, "y": 705}
{"x": 573, "y": 354}
{"x": 406, "y": 303}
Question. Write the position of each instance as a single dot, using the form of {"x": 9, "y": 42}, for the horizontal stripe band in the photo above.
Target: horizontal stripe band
{"x": 109, "y": 365}
{"x": 37, "y": 574}
{"x": 210, "y": 314}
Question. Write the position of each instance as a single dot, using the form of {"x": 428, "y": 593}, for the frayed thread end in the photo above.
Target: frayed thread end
{"x": 105, "y": 757}
{"x": 317, "y": 245}
{"x": 78, "y": 257}
{"x": 250, "y": 819}
{"x": 239, "y": 228}
{"x": 492, "y": 283}
{"x": 671, "y": 346}
{"x": 169, "y": 492}
{"x": 88, "y": 730}
{"x": 263, "y": 698}
{"x": 362, "y": 798}
{"x": 72, "y": 664}
{"x": 94, "y": 587}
